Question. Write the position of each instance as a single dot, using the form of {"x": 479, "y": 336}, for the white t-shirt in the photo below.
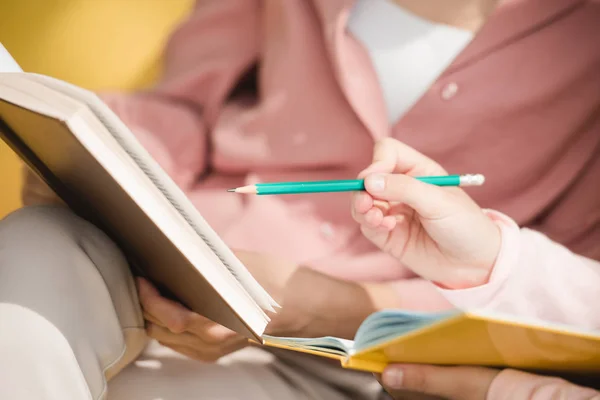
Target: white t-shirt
{"x": 408, "y": 53}
{"x": 7, "y": 63}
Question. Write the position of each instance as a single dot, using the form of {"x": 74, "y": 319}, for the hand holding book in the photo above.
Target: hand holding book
{"x": 189, "y": 333}
{"x": 451, "y": 383}
{"x": 314, "y": 305}
{"x": 440, "y": 233}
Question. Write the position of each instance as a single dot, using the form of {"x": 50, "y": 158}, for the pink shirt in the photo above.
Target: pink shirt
{"x": 525, "y": 115}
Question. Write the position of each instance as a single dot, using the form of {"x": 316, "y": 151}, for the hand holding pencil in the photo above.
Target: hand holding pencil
{"x": 440, "y": 233}
{"x": 408, "y": 206}
{"x": 349, "y": 185}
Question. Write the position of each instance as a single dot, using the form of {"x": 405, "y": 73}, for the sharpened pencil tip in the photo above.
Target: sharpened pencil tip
{"x": 231, "y": 190}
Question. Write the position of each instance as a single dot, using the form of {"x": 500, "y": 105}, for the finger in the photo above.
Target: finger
{"x": 391, "y": 155}
{"x": 218, "y": 337}
{"x": 384, "y": 206}
{"x": 152, "y": 319}
{"x": 452, "y": 383}
{"x": 195, "y": 345}
{"x": 167, "y": 337}
{"x": 399, "y": 214}
{"x": 209, "y": 331}
{"x": 145, "y": 287}
{"x": 361, "y": 203}
{"x": 178, "y": 319}
{"x": 378, "y": 236}
{"x": 167, "y": 312}
{"x": 203, "y": 356}
{"x": 218, "y": 334}
{"x": 364, "y": 210}
{"x": 187, "y": 351}
{"x": 194, "y": 353}
{"x": 378, "y": 167}
{"x": 428, "y": 201}
{"x": 389, "y": 222}
{"x": 371, "y": 217}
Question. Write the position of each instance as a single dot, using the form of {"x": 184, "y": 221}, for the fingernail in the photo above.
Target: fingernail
{"x": 379, "y": 165}
{"x": 392, "y": 378}
{"x": 375, "y": 183}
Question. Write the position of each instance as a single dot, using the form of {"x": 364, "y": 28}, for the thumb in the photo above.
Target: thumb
{"x": 452, "y": 383}
{"x": 427, "y": 200}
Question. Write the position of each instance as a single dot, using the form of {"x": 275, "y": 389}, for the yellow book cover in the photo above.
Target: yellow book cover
{"x": 456, "y": 338}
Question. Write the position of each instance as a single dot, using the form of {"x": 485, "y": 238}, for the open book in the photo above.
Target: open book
{"x": 456, "y": 338}
{"x": 74, "y": 142}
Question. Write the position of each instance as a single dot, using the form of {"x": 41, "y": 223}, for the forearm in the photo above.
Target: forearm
{"x": 315, "y": 304}
{"x": 417, "y": 294}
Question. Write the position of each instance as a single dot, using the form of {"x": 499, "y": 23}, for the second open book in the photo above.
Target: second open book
{"x": 73, "y": 141}
{"x": 456, "y": 338}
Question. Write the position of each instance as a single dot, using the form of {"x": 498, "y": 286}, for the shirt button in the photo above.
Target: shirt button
{"x": 449, "y": 91}
{"x": 327, "y": 230}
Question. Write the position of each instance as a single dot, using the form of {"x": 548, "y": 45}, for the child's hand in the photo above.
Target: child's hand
{"x": 438, "y": 232}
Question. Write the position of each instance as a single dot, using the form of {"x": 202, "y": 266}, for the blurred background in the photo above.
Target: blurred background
{"x": 96, "y": 44}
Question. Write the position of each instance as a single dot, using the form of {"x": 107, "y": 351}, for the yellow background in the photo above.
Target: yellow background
{"x": 97, "y": 44}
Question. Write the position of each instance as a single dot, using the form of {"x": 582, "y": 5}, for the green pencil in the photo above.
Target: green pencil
{"x": 349, "y": 185}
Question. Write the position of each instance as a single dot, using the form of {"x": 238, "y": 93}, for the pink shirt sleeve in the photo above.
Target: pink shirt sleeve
{"x": 537, "y": 278}
{"x": 204, "y": 59}
{"x": 516, "y": 385}
{"x": 173, "y": 133}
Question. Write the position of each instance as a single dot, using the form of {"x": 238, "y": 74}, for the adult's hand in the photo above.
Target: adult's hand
{"x": 313, "y": 304}
{"x": 185, "y": 331}
{"x": 175, "y": 326}
{"x": 420, "y": 382}
{"x": 427, "y": 381}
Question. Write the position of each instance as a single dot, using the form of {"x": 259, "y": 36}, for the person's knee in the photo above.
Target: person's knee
{"x": 44, "y": 223}
{"x": 49, "y": 256}
{"x": 65, "y": 270}
{"x": 42, "y": 237}
{"x": 27, "y": 339}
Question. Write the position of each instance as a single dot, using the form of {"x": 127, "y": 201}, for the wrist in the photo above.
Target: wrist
{"x": 504, "y": 267}
{"x": 478, "y": 270}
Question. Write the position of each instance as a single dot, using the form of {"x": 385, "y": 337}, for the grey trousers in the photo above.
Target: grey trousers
{"x": 70, "y": 322}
